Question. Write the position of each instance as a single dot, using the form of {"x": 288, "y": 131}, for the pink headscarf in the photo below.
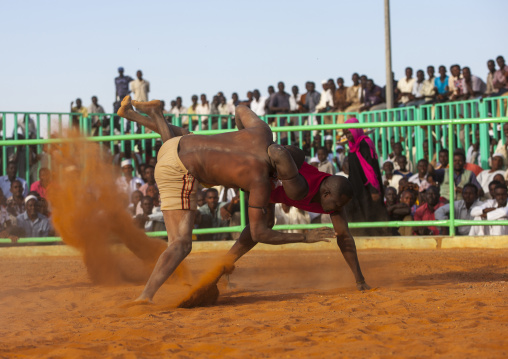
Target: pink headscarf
{"x": 354, "y": 147}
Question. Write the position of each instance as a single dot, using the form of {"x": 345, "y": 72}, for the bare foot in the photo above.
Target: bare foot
{"x": 151, "y": 108}
{"x": 126, "y": 108}
{"x": 136, "y": 303}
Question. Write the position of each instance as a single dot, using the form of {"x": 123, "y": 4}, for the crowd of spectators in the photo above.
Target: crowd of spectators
{"x": 412, "y": 190}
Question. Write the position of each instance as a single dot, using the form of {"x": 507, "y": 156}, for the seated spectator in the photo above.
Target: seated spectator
{"x": 153, "y": 191}
{"x": 136, "y": 197}
{"x": 499, "y": 80}
{"x": 345, "y": 168}
{"x": 490, "y": 212}
{"x": 441, "y": 85}
{"x": 502, "y": 144}
{"x": 426, "y": 211}
{"x": 500, "y": 178}
{"x": 461, "y": 177}
{"x": 487, "y": 176}
{"x": 389, "y": 178}
{"x": 417, "y": 97}
{"x": 462, "y": 209}
{"x": 397, "y": 151}
{"x": 6, "y": 181}
{"x": 420, "y": 178}
{"x": 31, "y": 223}
{"x": 208, "y": 216}
{"x": 16, "y": 202}
{"x": 128, "y": 183}
{"x": 472, "y": 85}
{"x": 285, "y": 214}
{"x": 397, "y": 211}
{"x": 149, "y": 179}
{"x": 340, "y": 156}
{"x": 372, "y": 97}
{"x": 324, "y": 164}
{"x": 41, "y": 186}
{"x": 407, "y": 207}
{"x": 151, "y": 219}
{"x": 7, "y": 220}
{"x": 402, "y": 163}
{"x": 443, "y": 159}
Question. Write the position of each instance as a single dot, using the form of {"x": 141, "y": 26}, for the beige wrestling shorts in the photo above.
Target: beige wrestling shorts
{"x": 177, "y": 187}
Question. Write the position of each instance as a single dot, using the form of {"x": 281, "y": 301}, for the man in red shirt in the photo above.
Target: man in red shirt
{"x": 426, "y": 211}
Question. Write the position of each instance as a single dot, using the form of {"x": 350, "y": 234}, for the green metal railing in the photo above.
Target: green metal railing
{"x": 409, "y": 123}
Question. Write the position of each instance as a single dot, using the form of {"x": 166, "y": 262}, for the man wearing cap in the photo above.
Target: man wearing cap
{"x": 31, "y": 221}
{"x": 128, "y": 183}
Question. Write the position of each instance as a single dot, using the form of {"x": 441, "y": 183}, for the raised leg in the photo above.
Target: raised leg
{"x": 294, "y": 184}
{"x": 179, "y": 225}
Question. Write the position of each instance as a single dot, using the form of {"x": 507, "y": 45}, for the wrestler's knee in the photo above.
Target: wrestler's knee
{"x": 182, "y": 246}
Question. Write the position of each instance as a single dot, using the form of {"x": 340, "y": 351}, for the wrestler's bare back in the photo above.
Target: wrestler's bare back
{"x": 238, "y": 159}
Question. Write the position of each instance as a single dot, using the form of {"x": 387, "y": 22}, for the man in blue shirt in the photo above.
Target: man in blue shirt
{"x": 6, "y": 181}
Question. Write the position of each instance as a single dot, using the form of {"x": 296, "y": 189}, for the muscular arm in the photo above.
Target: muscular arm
{"x": 347, "y": 246}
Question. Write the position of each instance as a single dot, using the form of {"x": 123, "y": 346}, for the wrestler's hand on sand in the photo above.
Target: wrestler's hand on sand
{"x": 362, "y": 286}
{"x": 319, "y": 235}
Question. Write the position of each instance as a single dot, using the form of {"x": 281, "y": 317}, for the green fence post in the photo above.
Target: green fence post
{"x": 451, "y": 180}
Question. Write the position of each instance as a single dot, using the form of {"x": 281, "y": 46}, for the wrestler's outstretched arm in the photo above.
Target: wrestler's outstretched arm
{"x": 347, "y": 246}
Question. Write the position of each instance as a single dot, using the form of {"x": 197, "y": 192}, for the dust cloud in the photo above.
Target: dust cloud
{"x": 89, "y": 213}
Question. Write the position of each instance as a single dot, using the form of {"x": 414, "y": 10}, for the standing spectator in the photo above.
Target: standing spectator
{"x": 192, "y": 110}
{"x": 258, "y": 103}
{"x": 312, "y": 97}
{"x": 233, "y": 102}
{"x": 294, "y": 98}
{"x": 455, "y": 83}
{"x": 279, "y": 102}
{"x": 149, "y": 179}
{"x": 95, "y": 108}
{"x": 271, "y": 93}
{"x": 354, "y": 95}
{"x": 367, "y": 203}
{"x": 203, "y": 109}
{"x": 491, "y": 212}
{"x": 16, "y": 201}
{"x": 79, "y": 108}
{"x": 389, "y": 178}
{"x": 472, "y": 85}
{"x": 340, "y": 97}
{"x": 208, "y": 216}
{"x": 41, "y": 186}
{"x": 441, "y": 85}
{"x": 490, "y": 90}
{"x": 128, "y": 183}
{"x": 31, "y": 222}
{"x": 429, "y": 91}
{"x": 7, "y": 180}
{"x": 178, "y": 109}
{"x": 499, "y": 80}
{"x": 487, "y": 176}
{"x": 405, "y": 87}
{"x": 426, "y": 211}
{"x": 121, "y": 86}
{"x": 326, "y": 100}
{"x": 140, "y": 87}
{"x": 462, "y": 209}
{"x": 420, "y": 178}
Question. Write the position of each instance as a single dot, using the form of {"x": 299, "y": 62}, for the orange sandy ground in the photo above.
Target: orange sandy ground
{"x": 450, "y": 303}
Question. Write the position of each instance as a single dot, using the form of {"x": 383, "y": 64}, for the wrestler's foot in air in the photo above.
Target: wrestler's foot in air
{"x": 294, "y": 184}
{"x": 151, "y": 108}
{"x": 126, "y": 110}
